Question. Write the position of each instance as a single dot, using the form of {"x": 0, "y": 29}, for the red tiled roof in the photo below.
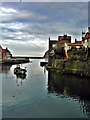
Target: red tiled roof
{"x": 88, "y": 33}
{"x": 77, "y": 43}
{"x": 4, "y": 50}
{"x": 86, "y": 37}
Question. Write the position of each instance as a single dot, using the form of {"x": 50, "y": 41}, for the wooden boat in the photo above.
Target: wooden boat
{"x": 21, "y": 76}
{"x": 19, "y": 70}
{"x": 43, "y": 63}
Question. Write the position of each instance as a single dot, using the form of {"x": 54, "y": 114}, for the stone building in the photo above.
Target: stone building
{"x": 57, "y": 46}
{"x": 60, "y": 42}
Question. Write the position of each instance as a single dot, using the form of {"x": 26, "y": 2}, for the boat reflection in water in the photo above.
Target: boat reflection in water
{"x": 20, "y": 78}
{"x": 20, "y": 73}
{"x": 71, "y": 87}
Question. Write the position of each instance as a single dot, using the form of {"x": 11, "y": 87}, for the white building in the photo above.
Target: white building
{"x": 86, "y": 39}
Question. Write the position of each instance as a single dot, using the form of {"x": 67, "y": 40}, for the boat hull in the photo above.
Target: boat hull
{"x": 20, "y": 71}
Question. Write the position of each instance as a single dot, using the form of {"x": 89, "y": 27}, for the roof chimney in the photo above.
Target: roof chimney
{"x": 49, "y": 38}
{"x": 0, "y": 46}
{"x": 75, "y": 40}
{"x": 89, "y": 29}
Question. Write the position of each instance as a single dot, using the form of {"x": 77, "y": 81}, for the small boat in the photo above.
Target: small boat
{"x": 19, "y": 70}
{"x": 43, "y": 63}
{"x": 22, "y": 76}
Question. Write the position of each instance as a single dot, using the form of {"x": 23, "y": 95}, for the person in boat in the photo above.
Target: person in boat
{"x": 18, "y": 66}
{"x": 19, "y": 70}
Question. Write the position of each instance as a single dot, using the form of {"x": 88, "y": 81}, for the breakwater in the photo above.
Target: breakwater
{"x": 16, "y": 60}
{"x": 19, "y": 60}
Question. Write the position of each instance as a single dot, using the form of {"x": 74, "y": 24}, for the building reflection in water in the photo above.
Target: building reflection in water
{"x": 20, "y": 79}
{"x": 71, "y": 86}
{"x": 4, "y": 68}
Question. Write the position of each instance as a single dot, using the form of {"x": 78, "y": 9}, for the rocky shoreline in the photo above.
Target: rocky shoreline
{"x": 75, "y": 67}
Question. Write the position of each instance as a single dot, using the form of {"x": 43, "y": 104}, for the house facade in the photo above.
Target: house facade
{"x": 65, "y": 38}
{"x": 86, "y": 39}
{"x": 76, "y": 45}
{"x": 5, "y": 54}
{"x": 0, "y": 53}
{"x": 56, "y": 47}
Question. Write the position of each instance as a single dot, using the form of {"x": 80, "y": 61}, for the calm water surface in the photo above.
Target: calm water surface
{"x": 43, "y": 94}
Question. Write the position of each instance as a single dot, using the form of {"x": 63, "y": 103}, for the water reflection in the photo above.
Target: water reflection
{"x": 4, "y": 68}
{"x": 20, "y": 78}
{"x": 71, "y": 86}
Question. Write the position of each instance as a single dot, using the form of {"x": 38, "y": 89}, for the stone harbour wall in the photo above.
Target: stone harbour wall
{"x": 76, "y": 67}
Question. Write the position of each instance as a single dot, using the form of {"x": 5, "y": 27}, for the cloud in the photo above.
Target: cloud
{"x": 27, "y": 26}
{"x": 26, "y": 48}
{"x": 12, "y": 15}
{"x": 7, "y": 11}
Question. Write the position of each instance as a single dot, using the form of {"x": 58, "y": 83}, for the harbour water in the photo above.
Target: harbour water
{"x": 43, "y": 94}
